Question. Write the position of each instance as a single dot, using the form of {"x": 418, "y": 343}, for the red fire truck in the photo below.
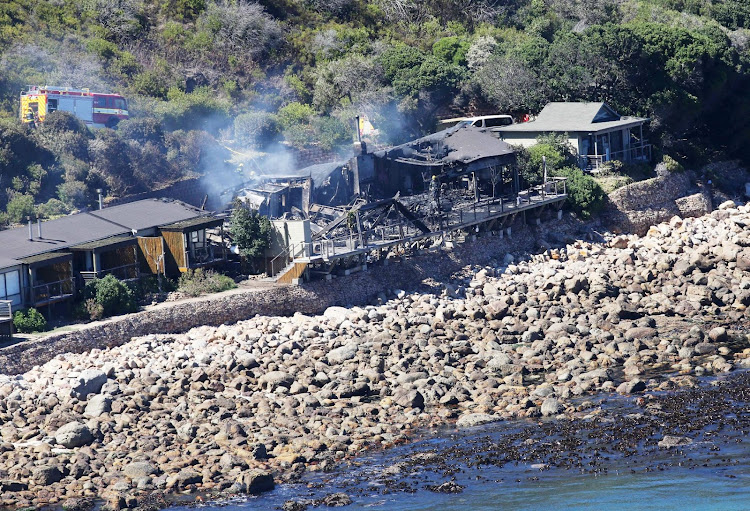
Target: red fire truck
{"x": 93, "y": 108}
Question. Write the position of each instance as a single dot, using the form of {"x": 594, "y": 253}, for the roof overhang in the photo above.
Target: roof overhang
{"x": 106, "y": 244}
{"x": 46, "y": 259}
{"x": 193, "y": 224}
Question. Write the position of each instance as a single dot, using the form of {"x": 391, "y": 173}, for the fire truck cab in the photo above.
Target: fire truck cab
{"x": 93, "y": 108}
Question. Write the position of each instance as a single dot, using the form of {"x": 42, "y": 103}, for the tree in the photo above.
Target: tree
{"x": 250, "y": 231}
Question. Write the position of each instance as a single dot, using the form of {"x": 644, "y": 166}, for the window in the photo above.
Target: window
{"x": 51, "y": 105}
{"x": 120, "y": 103}
{"x": 100, "y": 102}
{"x": 498, "y": 121}
{"x": 10, "y": 287}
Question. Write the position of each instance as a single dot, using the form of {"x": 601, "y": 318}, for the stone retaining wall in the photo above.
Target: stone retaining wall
{"x": 230, "y": 307}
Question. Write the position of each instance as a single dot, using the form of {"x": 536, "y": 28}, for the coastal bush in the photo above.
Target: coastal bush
{"x": 108, "y": 297}
{"x": 585, "y": 196}
{"x": 199, "y": 282}
{"x": 29, "y": 321}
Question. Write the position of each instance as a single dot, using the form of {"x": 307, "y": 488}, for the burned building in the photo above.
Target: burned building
{"x": 458, "y": 156}
{"x": 461, "y": 157}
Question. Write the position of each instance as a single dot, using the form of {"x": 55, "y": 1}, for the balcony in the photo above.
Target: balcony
{"x": 52, "y": 292}
{"x": 595, "y": 162}
{"x": 6, "y": 320}
{"x": 199, "y": 257}
{"x": 124, "y": 272}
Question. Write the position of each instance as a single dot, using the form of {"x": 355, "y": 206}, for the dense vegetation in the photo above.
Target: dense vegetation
{"x": 202, "y": 75}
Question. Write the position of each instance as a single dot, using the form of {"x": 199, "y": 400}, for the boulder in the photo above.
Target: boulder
{"x": 254, "y": 482}
{"x": 550, "y": 406}
{"x": 274, "y": 379}
{"x": 74, "y": 434}
{"x": 408, "y": 398}
{"x": 343, "y": 353}
{"x": 89, "y": 381}
{"x": 139, "y": 469}
{"x": 98, "y": 405}
{"x": 46, "y": 475}
{"x": 470, "y": 420}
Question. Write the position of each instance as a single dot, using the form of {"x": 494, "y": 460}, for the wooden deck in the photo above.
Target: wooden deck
{"x": 492, "y": 214}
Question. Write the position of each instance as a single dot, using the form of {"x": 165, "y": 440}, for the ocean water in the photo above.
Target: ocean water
{"x": 696, "y": 479}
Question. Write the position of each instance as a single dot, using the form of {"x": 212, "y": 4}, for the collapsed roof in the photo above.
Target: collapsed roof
{"x": 457, "y": 145}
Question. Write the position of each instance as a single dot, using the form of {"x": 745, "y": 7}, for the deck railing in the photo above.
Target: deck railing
{"x": 124, "y": 272}
{"x": 634, "y": 153}
{"x": 6, "y": 310}
{"x": 205, "y": 255}
{"x": 398, "y": 230}
{"x": 49, "y": 292}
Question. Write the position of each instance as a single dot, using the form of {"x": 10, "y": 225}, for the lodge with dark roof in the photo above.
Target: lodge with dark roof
{"x": 45, "y": 262}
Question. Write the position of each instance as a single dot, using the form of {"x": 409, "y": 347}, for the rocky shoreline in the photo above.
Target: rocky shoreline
{"x": 231, "y": 409}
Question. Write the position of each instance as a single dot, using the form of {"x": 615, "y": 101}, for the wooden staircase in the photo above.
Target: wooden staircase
{"x": 293, "y": 271}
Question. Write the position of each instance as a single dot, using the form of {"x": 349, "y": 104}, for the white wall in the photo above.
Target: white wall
{"x": 289, "y": 232}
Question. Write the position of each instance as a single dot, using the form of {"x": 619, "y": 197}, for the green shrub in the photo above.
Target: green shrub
{"x": 19, "y": 207}
{"x": 585, "y": 196}
{"x": 113, "y": 296}
{"x": 29, "y": 321}
{"x": 198, "y": 282}
{"x": 672, "y": 164}
{"x": 255, "y": 128}
{"x": 294, "y": 114}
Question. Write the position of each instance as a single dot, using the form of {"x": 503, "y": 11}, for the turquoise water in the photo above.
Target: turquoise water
{"x": 722, "y": 485}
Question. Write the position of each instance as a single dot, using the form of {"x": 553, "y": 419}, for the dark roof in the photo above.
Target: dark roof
{"x": 106, "y": 242}
{"x": 81, "y": 228}
{"x": 463, "y": 144}
{"x": 148, "y": 213}
{"x": 47, "y": 257}
{"x": 206, "y": 221}
{"x": 574, "y": 117}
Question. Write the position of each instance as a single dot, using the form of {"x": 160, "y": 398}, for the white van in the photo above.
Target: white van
{"x": 482, "y": 121}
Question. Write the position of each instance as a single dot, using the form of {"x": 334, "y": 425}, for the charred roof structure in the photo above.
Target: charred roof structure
{"x": 460, "y": 156}
{"x": 450, "y": 154}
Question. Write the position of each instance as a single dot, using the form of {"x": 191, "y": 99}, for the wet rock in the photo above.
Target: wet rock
{"x": 550, "y": 406}
{"x": 447, "y": 487}
{"x": 254, "y": 482}
{"x": 670, "y": 441}
{"x": 336, "y": 500}
{"x": 470, "y": 420}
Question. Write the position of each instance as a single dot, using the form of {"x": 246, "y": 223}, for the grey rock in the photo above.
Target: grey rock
{"x": 74, "y": 434}
{"x": 139, "y": 469}
{"x": 275, "y": 379}
{"x": 44, "y": 476}
{"x": 90, "y": 381}
{"x": 670, "y": 441}
{"x": 550, "y": 406}
{"x": 408, "y": 398}
{"x": 718, "y": 334}
{"x": 470, "y": 420}
{"x": 254, "y": 482}
{"x": 343, "y": 353}
{"x": 98, "y": 405}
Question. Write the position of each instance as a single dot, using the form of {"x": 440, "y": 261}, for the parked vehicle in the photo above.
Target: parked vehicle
{"x": 93, "y": 108}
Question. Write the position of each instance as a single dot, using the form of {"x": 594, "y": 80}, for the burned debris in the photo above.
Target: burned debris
{"x": 421, "y": 191}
